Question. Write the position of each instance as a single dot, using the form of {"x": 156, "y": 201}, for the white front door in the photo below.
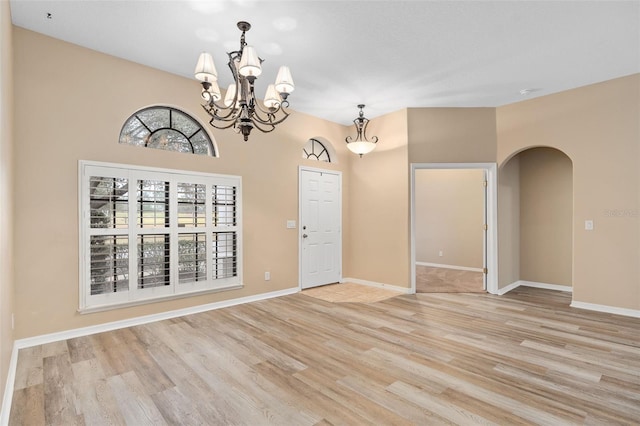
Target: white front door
{"x": 320, "y": 227}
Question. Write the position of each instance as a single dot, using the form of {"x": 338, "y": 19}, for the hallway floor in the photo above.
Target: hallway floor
{"x": 443, "y": 280}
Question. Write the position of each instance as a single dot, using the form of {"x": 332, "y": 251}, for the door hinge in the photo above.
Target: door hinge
{"x": 485, "y": 183}
{"x": 485, "y": 227}
{"x": 485, "y": 271}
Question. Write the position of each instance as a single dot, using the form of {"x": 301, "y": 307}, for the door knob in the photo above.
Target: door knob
{"x": 304, "y": 235}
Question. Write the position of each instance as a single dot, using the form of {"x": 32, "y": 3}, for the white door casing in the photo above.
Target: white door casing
{"x": 320, "y": 227}
{"x": 491, "y": 220}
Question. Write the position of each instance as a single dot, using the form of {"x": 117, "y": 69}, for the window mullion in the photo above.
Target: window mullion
{"x": 173, "y": 234}
{"x": 209, "y": 229}
{"x": 133, "y": 235}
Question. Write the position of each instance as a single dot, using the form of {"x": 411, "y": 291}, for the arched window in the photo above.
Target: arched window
{"x": 164, "y": 127}
{"x": 315, "y": 150}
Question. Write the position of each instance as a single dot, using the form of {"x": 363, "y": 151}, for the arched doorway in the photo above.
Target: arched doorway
{"x": 536, "y": 220}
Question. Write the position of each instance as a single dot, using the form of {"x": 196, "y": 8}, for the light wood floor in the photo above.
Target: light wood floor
{"x": 350, "y": 292}
{"x": 444, "y": 280}
{"x": 522, "y": 358}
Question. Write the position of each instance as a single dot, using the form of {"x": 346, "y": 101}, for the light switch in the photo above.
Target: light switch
{"x": 291, "y": 224}
{"x": 588, "y": 225}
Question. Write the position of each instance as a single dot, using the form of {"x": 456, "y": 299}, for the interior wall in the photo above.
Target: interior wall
{"x": 452, "y": 135}
{"x": 378, "y": 201}
{"x": 449, "y": 215}
{"x": 509, "y": 222}
{"x": 76, "y": 112}
{"x": 6, "y": 193}
{"x": 546, "y": 216}
{"x": 597, "y": 127}
{"x": 379, "y": 189}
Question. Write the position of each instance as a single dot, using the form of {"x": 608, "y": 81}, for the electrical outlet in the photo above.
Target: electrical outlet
{"x": 267, "y": 276}
{"x": 440, "y": 253}
{"x": 588, "y": 225}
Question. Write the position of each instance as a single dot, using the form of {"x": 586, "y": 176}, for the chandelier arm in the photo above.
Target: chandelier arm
{"x": 213, "y": 108}
{"x": 274, "y": 111}
{"x": 271, "y": 118}
{"x": 222, "y": 127}
{"x": 233, "y": 114}
{"x": 270, "y": 111}
{"x": 357, "y": 122}
{"x": 258, "y": 125}
{"x": 363, "y": 129}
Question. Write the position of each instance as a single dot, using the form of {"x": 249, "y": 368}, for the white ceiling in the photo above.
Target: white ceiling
{"x": 388, "y": 55}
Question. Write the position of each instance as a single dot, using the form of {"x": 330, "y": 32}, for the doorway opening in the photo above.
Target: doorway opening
{"x": 453, "y": 227}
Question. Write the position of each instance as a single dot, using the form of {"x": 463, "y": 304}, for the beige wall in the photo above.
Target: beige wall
{"x": 546, "y": 216}
{"x": 6, "y": 202}
{"x": 509, "y": 222}
{"x": 378, "y": 201}
{"x": 597, "y": 126}
{"x": 75, "y": 112}
{"x": 449, "y": 214}
{"x": 452, "y": 135}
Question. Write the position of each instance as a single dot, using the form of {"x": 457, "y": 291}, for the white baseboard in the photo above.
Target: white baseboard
{"x": 547, "y": 286}
{"x": 85, "y": 331}
{"x": 7, "y": 399}
{"x": 523, "y": 283}
{"x": 574, "y": 304}
{"x": 440, "y": 265}
{"x": 507, "y": 289}
{"x": 406, "y": 290}
{"x": 607, "y": 309}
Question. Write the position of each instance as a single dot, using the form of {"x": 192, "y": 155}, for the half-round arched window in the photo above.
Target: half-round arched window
{"x": 164, "y": 127}
{"x": 315, "y": 150}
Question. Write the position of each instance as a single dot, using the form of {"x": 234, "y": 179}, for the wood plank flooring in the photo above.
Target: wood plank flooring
{"x": 350, "y": 292}
{"x": 522, "y": 358}
{"x": 444, "y": 280}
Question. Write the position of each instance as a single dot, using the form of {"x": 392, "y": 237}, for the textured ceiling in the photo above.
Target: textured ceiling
{"x": 388, "y": 55}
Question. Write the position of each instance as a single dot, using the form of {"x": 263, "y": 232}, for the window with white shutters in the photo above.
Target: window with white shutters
{"x": 148, "y": 234}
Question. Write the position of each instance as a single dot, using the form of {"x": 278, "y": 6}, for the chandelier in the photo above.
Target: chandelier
{"x": 240, "y": 109}
{"x": 361, "y": 145}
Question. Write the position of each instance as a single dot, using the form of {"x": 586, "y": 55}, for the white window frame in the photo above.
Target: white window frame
{"x": 134, "y": 295}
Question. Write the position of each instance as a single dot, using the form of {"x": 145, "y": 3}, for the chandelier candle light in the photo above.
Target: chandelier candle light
{"x": 240, "y": 109}
{"x": 361, "y": 145}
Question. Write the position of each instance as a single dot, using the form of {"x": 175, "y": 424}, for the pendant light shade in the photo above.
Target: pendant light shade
{"x": 361, "y": 147}
{"x": 228, "y": 97}
{"x": 284, "y": 81}
{"x": 272, "y": 98}
{"x": 205, "y": 69}
{"x": 250, "y": 63}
